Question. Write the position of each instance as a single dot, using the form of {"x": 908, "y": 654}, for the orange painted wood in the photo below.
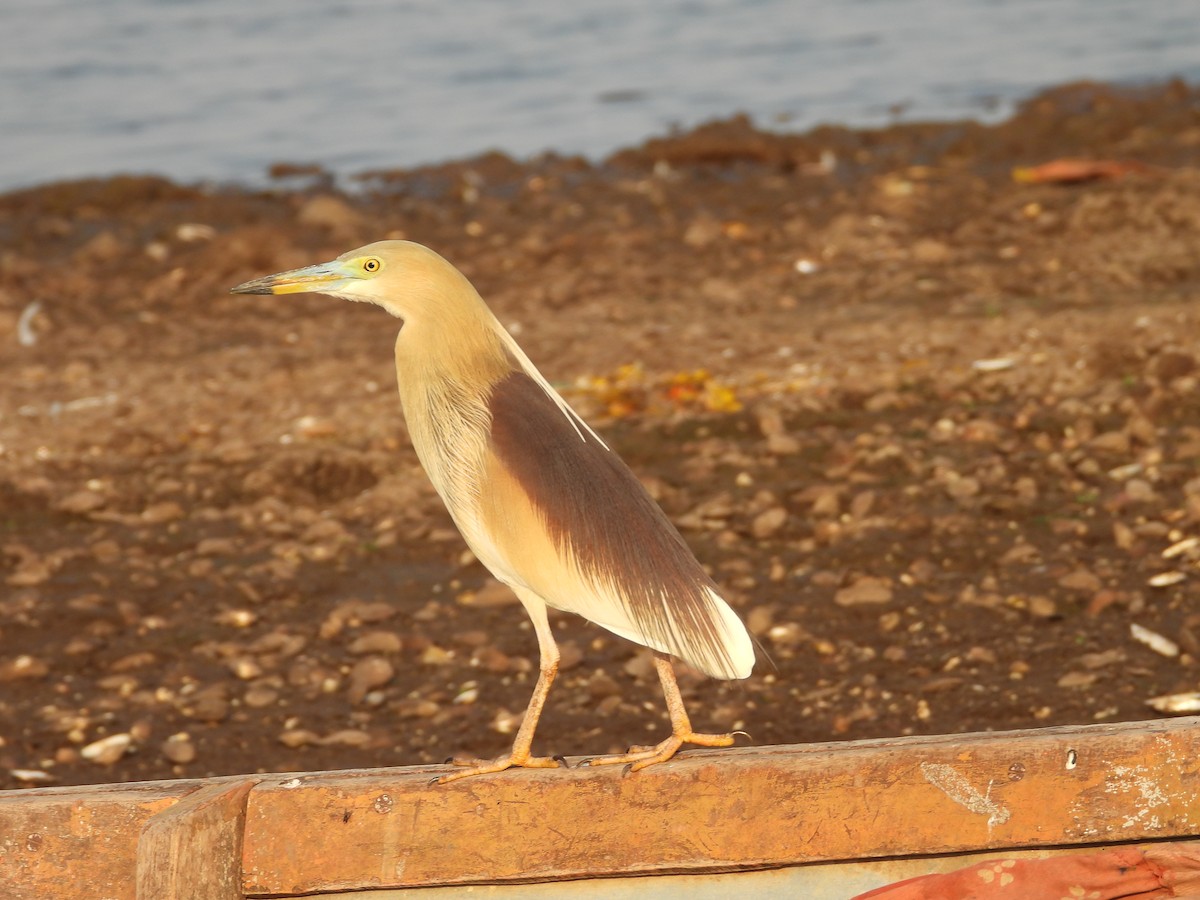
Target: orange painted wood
{"x": 77, "y": 842}
{"x": 193, "y": 850}
{"x": 728, "y": 809}
{"x": 704, "y": 811}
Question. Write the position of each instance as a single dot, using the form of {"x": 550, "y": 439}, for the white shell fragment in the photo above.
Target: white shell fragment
{"x": 993, "y": 365}
{"x": 32, "y": 776}
{"x": 1176, "y": 704}
{"x": 1179, "y": 548}
{"x": 1153, "y": 640}
{"x": 193, "y": 231}
{"x": 26, "y": 336}
{"x": 1124, "y": 473}
{"x": 107, "y": 750}
{"x": 1166, "y": 579}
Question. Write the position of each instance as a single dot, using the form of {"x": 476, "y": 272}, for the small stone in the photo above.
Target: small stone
{"x": 417, "y": 709}
{"x": 1138, "y": 490}
{"x": 208, "y": 704}
{"x": 298, "y": 737}
{"x": 377, "y": 642}
{"x": 245, "y": 668}
{"x": 1104, "y": 658}
{"x": 1166, "y": 579}
{"x": 640, "y": 666}
{"x": 929, "y": 250}
{"x": 23, "y": 667}
{"x": 159, "y": 513}
{"x": 492, "y": 594}
{"x": 1080, "y": 580}
{"x": 491, "y": 659}
{"x": 1077, "y": 680}
{"x": 865, "y": 590}
{"x": 433, "y": 655}
{"x": 768, "y": 522}
{"x": 32, "y": 776}
{"x": 369, "y": 673}
{"x": 216, "y": 547}
{"x": 505, "y": 722}
{"x": 133, "y": 661}
{"x": 601, "y": 685}
{"x": 759, "y": 619}
{"x": 330, "y": 212}
{"x": 570, "y": 655}
{"x": 259, "y": 697}
{"x": 81, "y": 502}
{"x": 1042, "y": 607}
{"x": 962, "y": 487}
{"x": 787, "y": 634}
{"x": 179, "y": 749}
{"x": 346, "y": 737}
{"x": 236, "y": 618}
{"x": 107, "y": 750}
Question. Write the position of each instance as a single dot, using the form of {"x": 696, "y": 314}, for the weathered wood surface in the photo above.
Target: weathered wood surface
{"x": 703, "y": 811}
{"x": 78, "y": 842}
{"x": 730, "y": 809}
{"x": 193, "y": 850}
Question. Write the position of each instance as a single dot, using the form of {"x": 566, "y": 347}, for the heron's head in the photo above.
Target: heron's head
{"x": 402, "y": 277}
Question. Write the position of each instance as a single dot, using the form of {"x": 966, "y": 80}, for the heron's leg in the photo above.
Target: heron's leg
{"x": 681, "y": 728}
{"x": 548, "y": 668}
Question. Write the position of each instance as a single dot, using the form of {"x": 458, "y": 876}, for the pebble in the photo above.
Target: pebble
{"x": 244, "y": 668}
{"x": 298, "y": 737}
{"x": 346, "y": 737}
{"x": 22, "y": 667}
{"x": 259, "y": 697}
{"x": 491, "y": 595}
{"x": 377, "y": 642}
{"x": 107, "y": 750}
{"x": 208, "y": 704}
{"x": 369, "y": 673}
{"x": 570, "y": 654}
{"x": 864, "y": 591}
{"x": 506, "y": 722}
{"x": 433, "y": 655}
{"x": 82, "y": 502}
{"x": 179, "y": 749}
{"x": 160, "y": 513}
{"x": 1077, "y": 680}
{"x": 768, "y": 522}
{"x": 1152, "y": 639}
{"x": 1081, "y": 580}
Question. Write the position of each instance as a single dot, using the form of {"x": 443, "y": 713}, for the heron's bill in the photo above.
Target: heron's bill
{"x": 310, "y": 279}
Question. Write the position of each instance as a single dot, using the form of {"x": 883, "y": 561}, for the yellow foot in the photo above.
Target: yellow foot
{"x": 487, "y": 766}
{"x": 641, "y": 757}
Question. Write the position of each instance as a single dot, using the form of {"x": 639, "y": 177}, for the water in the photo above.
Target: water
{"x": 220, "y": 89}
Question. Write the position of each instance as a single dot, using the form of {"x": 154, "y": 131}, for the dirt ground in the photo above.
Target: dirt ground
{"x": 936, "y": 431}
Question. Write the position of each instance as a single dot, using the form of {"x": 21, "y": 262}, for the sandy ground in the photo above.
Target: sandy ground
{"x": 935, "y": 430}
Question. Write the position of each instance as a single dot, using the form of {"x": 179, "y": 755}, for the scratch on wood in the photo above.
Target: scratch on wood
{"x": 954, "y": 785}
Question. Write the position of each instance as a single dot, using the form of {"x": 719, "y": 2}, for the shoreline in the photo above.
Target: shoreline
{"x": 732, "y": 138}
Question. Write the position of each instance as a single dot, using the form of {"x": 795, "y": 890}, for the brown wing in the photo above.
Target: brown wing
{"x": 602, "y": 525}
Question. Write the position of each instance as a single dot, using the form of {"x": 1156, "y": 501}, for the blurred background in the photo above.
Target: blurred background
{"x": 220, "y": 89}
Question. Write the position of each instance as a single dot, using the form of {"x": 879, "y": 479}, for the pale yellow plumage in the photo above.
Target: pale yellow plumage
{"x": 541, "y": 500}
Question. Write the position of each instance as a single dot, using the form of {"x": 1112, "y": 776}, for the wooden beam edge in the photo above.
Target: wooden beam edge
{"x": 727, "y": 810}
{"x": 703, "y": 811}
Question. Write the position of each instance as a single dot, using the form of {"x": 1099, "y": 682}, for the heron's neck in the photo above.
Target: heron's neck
{"x": 464, "y": 349}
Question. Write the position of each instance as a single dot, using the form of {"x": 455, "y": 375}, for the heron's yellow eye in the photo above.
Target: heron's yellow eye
{"x": 372, "y": 265}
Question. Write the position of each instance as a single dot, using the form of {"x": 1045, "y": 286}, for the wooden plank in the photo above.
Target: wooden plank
{"x": 706, "y": 811}
{"x": 193, "y": 850}
{"x": 77, "y": 843}
{"x": 725, "y": 810}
